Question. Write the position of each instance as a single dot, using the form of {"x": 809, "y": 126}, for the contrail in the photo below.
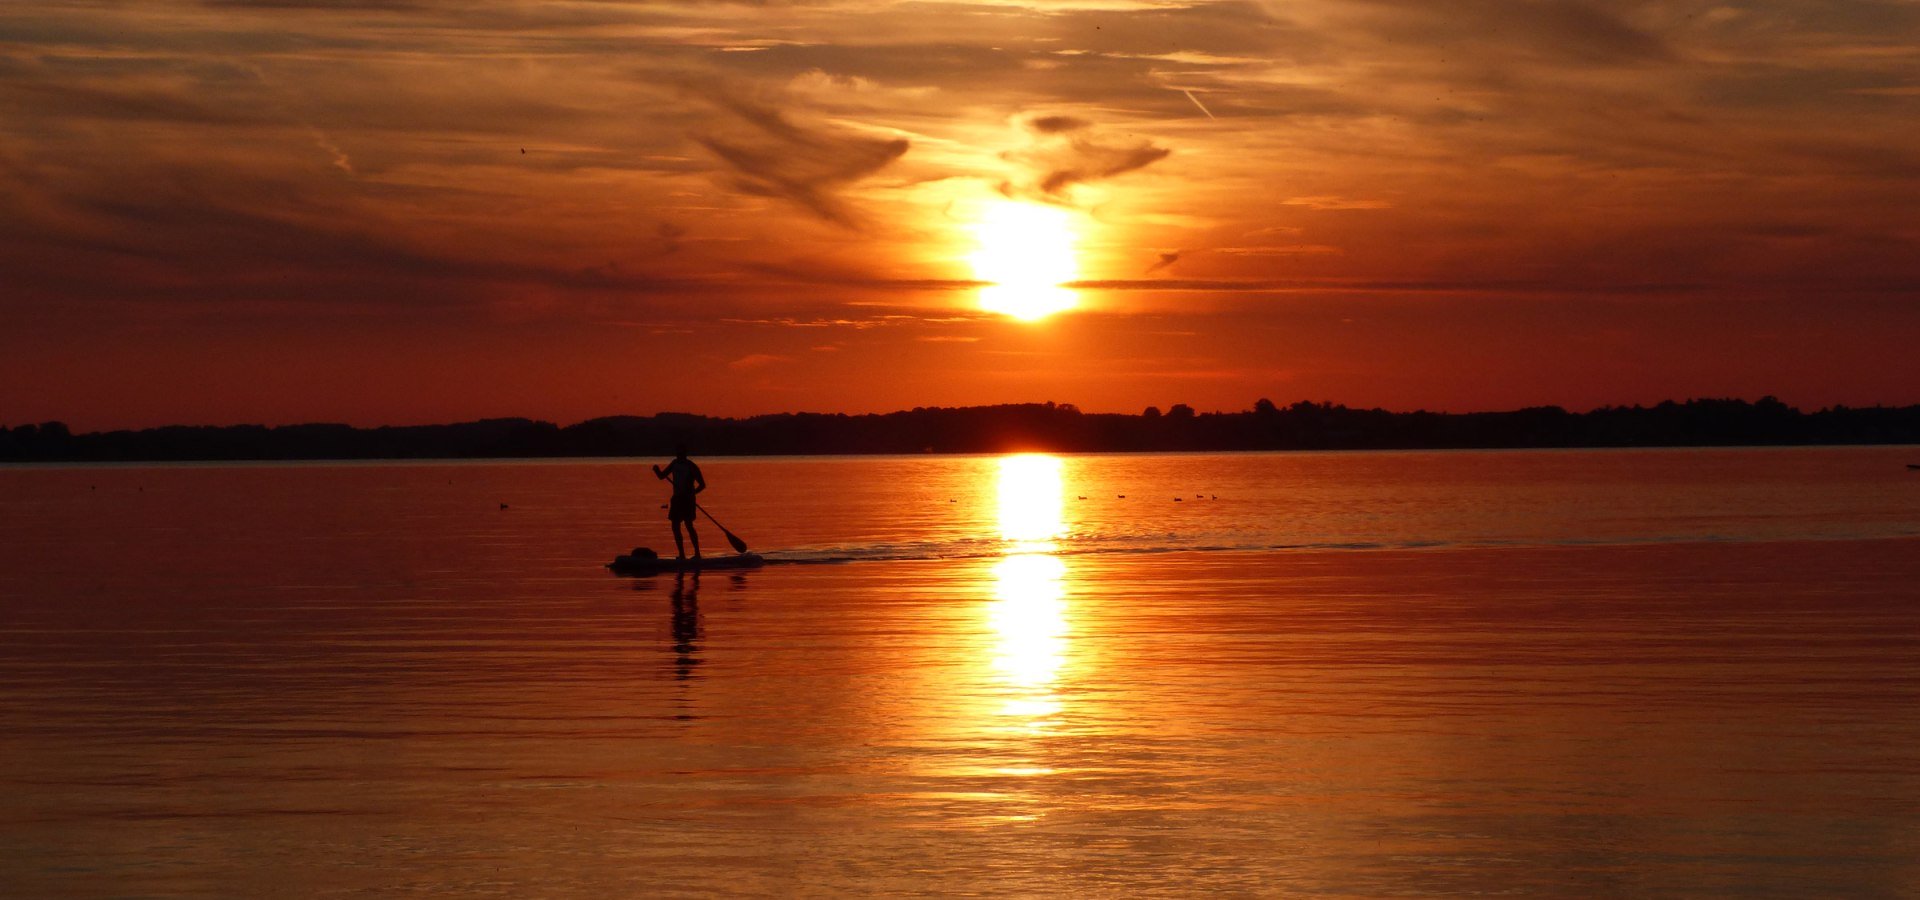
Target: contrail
{"x": 1196, "y": 102}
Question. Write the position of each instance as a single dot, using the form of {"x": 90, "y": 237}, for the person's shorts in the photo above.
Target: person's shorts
{"x": 680, "y": 509}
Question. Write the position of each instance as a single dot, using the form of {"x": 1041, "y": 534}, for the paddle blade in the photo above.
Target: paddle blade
{"x": 739, "y": 546}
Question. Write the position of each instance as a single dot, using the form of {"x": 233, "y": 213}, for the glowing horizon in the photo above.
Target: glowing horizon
{"x": 374, "y": 213}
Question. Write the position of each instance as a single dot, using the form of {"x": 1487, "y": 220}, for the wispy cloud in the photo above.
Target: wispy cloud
{"x": 1336, "y": 202}
{"x": 753, "y": 361}
{"x": 1065, "y": 151}
{"x": 778, "y": 157}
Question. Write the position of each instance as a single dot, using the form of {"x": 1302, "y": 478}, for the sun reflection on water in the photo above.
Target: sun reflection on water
{"x": 1029, "y": 614}
{"x": 1032, "y": 503}
{"x": 1029, "y": 617}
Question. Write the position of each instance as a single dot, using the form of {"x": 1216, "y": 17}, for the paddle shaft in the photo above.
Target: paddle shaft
{"x": 739, "y": 546}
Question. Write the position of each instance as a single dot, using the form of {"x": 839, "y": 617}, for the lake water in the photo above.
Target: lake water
{"x": 1675, "y": 672}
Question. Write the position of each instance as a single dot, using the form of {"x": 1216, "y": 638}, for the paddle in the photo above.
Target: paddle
{"x": 739, "y": 546}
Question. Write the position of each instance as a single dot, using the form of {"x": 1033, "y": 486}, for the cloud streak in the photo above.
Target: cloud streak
{"x": 776, "y": 157}
{"x": 1064, "y": 151}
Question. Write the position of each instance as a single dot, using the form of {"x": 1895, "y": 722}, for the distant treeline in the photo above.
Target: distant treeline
{"x": 1034, "y": 426}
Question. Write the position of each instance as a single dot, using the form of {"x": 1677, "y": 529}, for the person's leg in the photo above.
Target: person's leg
{"x": 695, "y": 534}
{"x": 679, "y": 545}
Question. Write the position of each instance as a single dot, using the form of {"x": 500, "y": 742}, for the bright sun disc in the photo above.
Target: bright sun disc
{"x": 1025, "y": 254}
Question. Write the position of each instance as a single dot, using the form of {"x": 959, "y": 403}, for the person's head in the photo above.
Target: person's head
{"x": 680, "y": 450}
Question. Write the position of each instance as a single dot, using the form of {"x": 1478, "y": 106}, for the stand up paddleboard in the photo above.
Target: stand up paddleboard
{"x": 634, "y": 564}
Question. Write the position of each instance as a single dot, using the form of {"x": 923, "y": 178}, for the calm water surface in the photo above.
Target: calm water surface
{"x": 1540, "y": 674}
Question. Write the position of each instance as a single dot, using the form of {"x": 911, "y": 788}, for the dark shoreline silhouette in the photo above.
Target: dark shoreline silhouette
{"x": 1033, "y": 426}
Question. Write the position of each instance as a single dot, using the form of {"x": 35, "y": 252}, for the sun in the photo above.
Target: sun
{"x": 1025, "y": 253}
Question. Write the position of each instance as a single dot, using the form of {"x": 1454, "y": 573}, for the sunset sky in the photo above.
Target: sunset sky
{"x": 396, "y": 211}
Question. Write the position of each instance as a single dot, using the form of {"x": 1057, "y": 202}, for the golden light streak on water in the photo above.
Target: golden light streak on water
{"x": 1029, "y": 612}
{"x": 1031, "y": 501}
{"x": 1029, "y": 620}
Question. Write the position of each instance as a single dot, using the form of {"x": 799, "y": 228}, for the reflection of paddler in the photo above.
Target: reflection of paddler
{"x": 686, "y": 624}
{"x": 687, "y": 483}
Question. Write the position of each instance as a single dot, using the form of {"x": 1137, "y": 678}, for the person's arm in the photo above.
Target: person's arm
{"x": 699, "y": 480}
{"x": 657, "y": 474}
